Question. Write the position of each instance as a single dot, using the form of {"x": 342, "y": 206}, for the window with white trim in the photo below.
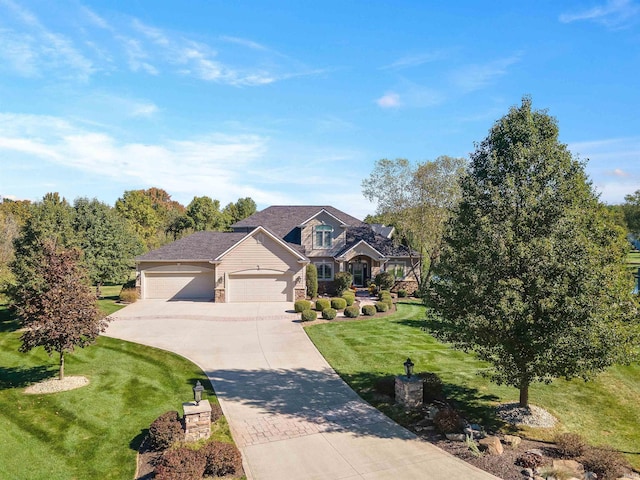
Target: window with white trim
{"x": 325, "y": 270}
{"x": 322, "y": 236}
{"x": 397, "y": 268}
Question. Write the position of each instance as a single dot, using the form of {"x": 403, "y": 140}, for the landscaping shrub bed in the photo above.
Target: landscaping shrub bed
{"x": 322, "y": 303}
{"x": 338, "y": 303}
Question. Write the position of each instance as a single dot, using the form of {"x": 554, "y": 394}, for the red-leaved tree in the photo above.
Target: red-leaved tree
{"x": 56, "y": 305}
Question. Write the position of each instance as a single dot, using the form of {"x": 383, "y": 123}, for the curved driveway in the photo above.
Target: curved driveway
{"x": 290, "y": 414}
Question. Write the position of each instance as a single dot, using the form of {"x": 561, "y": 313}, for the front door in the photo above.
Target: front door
{"x": 359, "y": 272}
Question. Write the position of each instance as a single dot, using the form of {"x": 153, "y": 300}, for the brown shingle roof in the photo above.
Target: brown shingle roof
{"x": 203, "y": 246}
{"x": 282, "y": 219}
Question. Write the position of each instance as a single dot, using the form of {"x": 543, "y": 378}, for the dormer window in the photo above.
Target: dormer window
{"x": 323, "y": 235}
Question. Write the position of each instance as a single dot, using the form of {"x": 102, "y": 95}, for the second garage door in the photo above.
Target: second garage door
{"x": 179, "y": 286}
{"x": 260, "y": 288}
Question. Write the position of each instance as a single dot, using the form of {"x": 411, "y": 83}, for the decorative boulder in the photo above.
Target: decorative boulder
{"x": 491, "y": 445}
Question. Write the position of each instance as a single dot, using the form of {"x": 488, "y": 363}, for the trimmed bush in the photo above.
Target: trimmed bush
{"x": 382, "y": 306}
{"x": 402, "y": 293}
{"x": 322, "y": 303}
{"x": 605, "y": 462}
{"x": 382, "y": 294}
{"x": 308, "y": 315}
{"x": 342, "y": 282}
{"x": 338, "y": 303}
{"x": 352, "y": 312}
{"x": 312, "y": 280}
{"x": 165, "y": 430}
{"x": 180, "y": 464}
{"x": 128, "y": 295}
{"x": 216, "y": 412}
{"x": 571, "y": 445}
{"x": 350, "y": 299}
{"x": 530, "y": 460}
{"x": 369, "y": 310}
{"x": 221, "y": 459}
{"x": 385, "y": 280}
{"x": 329, "y": 313}
{"x": 301, "y": 305}
{"x": 448, "y": 420}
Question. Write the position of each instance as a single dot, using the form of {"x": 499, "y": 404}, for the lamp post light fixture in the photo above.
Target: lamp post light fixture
{"x": 408, "y": 367}
{"x": 197, "y": 392}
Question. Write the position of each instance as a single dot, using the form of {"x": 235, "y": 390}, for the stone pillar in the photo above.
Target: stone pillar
{"x": 409, "y": 391}
{"x": 197, "y": 420}
{"x": 219, "y": 295}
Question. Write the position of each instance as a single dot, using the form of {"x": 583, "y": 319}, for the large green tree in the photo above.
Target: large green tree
{"x": 631, "y": 211}
{"x": 49, "y": 219}
{"x": 108, "y": 242}
{"x": 138, "y": 209}
{"x": 417, "y": 200}
{"x": 205, "y": 214}
{"x": 531, "y": 277}
{"x": 56, "y": 306}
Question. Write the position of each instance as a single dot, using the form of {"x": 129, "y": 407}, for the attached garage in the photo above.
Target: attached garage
{"x": 179, "y": 286}
{"x": 260, "y": 288}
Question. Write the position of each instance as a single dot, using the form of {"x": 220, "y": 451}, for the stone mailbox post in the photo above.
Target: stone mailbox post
{"x": 197, "y": 420}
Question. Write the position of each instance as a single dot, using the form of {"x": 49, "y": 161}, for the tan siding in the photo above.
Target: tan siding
{"x": 252, "y": 254}
{"x": 338, "y": 239}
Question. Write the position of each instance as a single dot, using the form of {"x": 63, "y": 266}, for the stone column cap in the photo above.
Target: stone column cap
{"x": 412, "y": 379}
{"x": 190, "y": 408}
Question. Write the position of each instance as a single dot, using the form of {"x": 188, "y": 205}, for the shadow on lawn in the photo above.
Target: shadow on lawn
{"x": 476, "y": 407}
{"x": 8, "y": 321}
{"x": 18, "y": 377}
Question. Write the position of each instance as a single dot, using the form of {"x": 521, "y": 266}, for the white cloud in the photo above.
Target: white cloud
{"x": 476, "y": 76}
{"x": 618, "y": 172}
{"x": 613, "y": 14}
{"x": 38, "y": 50}
{"x": 179, "y": 165}
{"x": 409, "y": 61}
{"x": 244, "y": 42}
{"x": 389, "y": 100}
{"x": 144, "y": 110}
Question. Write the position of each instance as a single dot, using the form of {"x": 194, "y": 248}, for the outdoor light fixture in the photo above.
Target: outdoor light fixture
{"x": 197, "y": 392}
{"x": 408, "y": 367}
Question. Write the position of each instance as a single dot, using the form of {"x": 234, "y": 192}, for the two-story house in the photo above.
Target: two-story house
{"x": 264, "y": 259}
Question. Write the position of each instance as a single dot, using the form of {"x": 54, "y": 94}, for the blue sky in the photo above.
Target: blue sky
{"x": 292, "y": 102}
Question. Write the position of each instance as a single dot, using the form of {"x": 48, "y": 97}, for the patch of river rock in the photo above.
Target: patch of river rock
{"x": 532, "y": 416}
{"x": 54, "y": 385}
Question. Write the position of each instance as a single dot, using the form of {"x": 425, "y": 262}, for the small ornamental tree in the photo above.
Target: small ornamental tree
{"x": 312, "y": 281}
{"x": 531, "y": 277}
{"x": 343, "y": 281}
{"x": 56, "y": 306}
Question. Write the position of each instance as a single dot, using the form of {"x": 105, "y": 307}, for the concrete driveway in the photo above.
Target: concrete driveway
{"x": 290, "y": 414}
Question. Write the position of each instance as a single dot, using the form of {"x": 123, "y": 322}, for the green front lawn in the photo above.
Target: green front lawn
{"x": 94, "y": 431}
{"x": 604, "y": 411}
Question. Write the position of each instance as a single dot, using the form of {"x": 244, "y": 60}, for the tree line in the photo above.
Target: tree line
{"x": 109, "y": 237}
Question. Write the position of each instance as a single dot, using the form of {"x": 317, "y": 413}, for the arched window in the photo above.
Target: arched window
{"x": 323, "y": 236}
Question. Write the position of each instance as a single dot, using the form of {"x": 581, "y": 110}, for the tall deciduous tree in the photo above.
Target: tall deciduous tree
{"x": 531, "y": 277}
{"x": 108, "y": 242}
{"x": 49, "y": 219}
{"x": 137, "y": 208}
{"x": 56, "y": 306}
{"x": 205, "y": 214}
{"x": 631, "y": 210}
{"x": 417, "y": 200}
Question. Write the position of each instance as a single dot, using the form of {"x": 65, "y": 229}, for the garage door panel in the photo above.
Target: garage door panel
{"x": 179, "y": 286}
{"x": 260, "y": 288}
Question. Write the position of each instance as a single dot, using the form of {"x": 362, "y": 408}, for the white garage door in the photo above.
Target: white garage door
{"x": 179, "y": 286}
{"x": 260, "y": 288}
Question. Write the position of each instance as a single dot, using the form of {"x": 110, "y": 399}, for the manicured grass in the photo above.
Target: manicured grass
{"x": 94, "y": 431}
{"x": 604, "y": 411}
{"x": 109, "y": 294}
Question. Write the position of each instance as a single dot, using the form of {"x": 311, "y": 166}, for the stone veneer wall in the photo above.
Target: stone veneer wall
{"x": 300, "y": 294}
{"x": 219, "y": 295}
{"x": 197, "y": 421}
